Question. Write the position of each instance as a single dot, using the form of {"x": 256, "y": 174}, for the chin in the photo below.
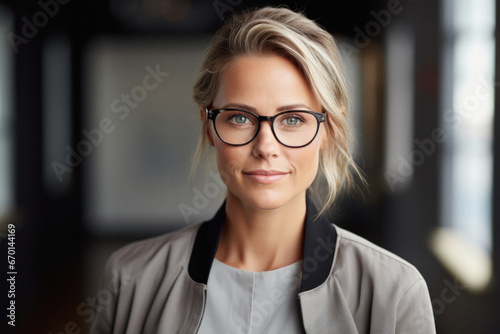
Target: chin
{"x": 266, "y": 200}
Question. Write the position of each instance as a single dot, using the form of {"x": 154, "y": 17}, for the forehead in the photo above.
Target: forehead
{"x": 263, "y": 82}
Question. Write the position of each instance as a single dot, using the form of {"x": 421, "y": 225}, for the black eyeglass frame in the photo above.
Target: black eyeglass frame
{"x": 212, "y": 114}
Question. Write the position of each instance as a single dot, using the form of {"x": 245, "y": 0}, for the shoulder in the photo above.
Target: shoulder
{"x": 381, "y": 286}
{"x": 360, "y": 258}
{"x": 370, "y": 289}
{"x": 171, "y": 247}
{"x": 140, "y": 274}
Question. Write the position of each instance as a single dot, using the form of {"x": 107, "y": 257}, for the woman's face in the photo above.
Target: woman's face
{"x": 264, "y": 174}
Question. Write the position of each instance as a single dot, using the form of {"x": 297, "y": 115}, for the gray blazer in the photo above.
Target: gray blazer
{"x": 348, "y": 285}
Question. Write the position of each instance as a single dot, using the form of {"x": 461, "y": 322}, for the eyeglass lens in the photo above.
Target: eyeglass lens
{"x": 293, "y": 128}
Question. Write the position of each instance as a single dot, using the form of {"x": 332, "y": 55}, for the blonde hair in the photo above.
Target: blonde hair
{"x": 312, "y": 49}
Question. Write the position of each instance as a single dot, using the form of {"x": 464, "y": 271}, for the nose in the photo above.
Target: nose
{"x": 265, "y": 145}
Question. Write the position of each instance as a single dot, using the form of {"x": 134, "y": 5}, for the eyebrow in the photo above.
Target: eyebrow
{"x": 279, "y": 109}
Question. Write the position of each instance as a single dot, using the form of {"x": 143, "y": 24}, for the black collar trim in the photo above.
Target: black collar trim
{"x": 319, "y": 248}
{"x": 205, "y": 246}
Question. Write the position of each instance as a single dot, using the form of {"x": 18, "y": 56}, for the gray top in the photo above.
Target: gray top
{"x": 240, "y": 301}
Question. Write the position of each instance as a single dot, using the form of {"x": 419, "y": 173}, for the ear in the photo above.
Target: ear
{"x": 209, "y": 134}
{"x": 206, "y": 122}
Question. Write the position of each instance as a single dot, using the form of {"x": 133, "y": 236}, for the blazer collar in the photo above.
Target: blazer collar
{"x": 319, "y": 248}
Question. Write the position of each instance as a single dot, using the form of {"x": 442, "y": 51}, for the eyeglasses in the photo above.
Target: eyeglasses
{"x": 296, "y": 128}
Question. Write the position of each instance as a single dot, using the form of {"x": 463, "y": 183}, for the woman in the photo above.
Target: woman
{"x": 273, "y": 103}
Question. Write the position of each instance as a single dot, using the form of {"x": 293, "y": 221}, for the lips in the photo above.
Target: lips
{"x": 265, "y": 176}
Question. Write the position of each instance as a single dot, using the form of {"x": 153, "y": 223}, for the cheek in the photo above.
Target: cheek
{"x": 228, "y": 158}
{"x": 306, "y": 160}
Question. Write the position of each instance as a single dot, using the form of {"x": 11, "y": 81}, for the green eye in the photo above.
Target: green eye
{"x": 292, "y": 120}
{"x": 240, "y": 119}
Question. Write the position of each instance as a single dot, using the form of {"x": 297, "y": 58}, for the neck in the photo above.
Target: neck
{"x": 261, "y": 240}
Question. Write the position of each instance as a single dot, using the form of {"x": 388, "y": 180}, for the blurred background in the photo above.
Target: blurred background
{"x": 98, "y": 127}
